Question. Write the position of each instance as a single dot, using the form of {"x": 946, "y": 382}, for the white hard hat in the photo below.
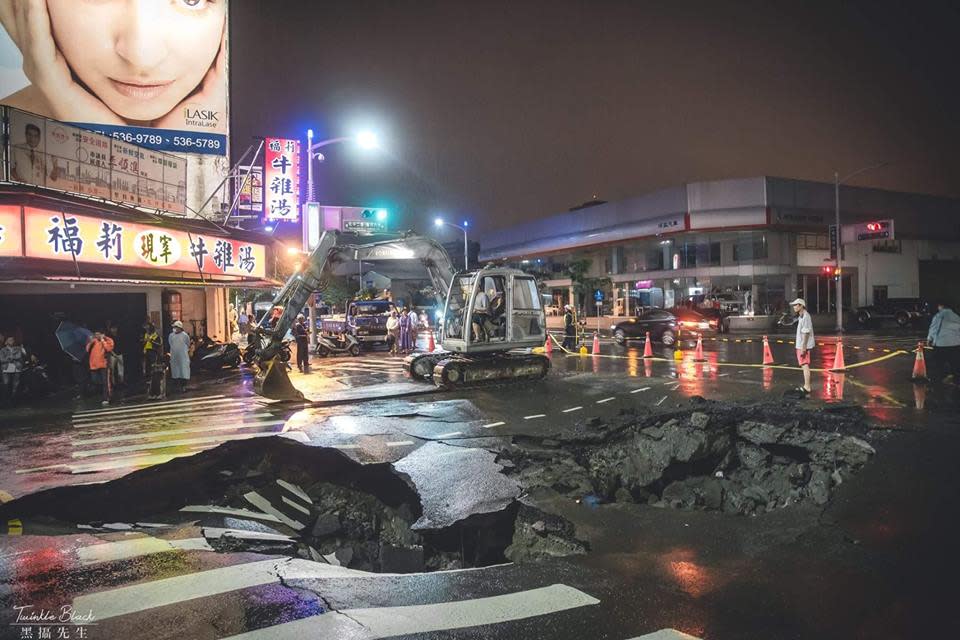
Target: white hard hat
{"x": 568, "y": 307}
{"x": 300, "y": 316}
{"x": 799, "y": 301}
{"x": 178, "y": 325}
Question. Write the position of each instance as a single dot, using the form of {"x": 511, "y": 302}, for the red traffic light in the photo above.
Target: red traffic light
{"x": 827, "y": 270}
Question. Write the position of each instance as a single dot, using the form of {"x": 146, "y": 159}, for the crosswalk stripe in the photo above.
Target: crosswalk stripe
{"x": 209, "y": 405}
{"x": 169, "y": 443}
{"x": 264, "y": 505}
{"x": 385, "y": 622}
{"x": 149, "y": 404}
{"x": 175, "y": 419}
{"x": 167, "y": 432}
{"x": 135, "y": 548}
{"x": 229, "y": 511}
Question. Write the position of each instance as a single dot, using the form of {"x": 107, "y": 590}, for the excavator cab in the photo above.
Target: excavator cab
{"x": 493, "y": 310}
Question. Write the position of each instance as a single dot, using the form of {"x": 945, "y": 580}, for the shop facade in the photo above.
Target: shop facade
{"x": 99, "y": 266}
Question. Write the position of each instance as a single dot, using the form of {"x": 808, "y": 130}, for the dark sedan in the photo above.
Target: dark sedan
{"x": 661, "y": 324}
{"x": 700, "y": 320}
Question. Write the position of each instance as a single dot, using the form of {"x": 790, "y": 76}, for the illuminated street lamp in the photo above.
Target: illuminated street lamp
{"x": 440, "y": 222}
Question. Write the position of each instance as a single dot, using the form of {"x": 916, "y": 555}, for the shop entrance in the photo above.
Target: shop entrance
{"x": 33, "y": 319}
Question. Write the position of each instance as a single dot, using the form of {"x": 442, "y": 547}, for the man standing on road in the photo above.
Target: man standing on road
{"x": 302, "y": 335}
{"x": 414, "y": 328}
{"x": 12, "y": 358}
{"x": 179, "y": 343}
{"x": 569, "y": 329}
{"x": 944, "y": 337}
{"x": 100, "y": 346}
{"x": 805, "y": 341}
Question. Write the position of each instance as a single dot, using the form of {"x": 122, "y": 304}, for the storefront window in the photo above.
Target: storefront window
{"x": 750, "y": 247}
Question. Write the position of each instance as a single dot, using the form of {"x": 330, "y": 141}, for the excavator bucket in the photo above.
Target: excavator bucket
{"x": 273, "y": 382}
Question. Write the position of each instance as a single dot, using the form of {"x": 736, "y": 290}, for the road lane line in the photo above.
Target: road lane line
{"x": 148, "y": 409}
{"x": 172, "y": 443}
{"x": 345, "y": 447}
{"x": 401, "y": 443}
{"x": 721, "y": 375}
{"x": 571, "y": 409}
{"x": 640, "y": 390}
{"x": 229, "y": 511}
{"x": 388, "y": 622}
{"x": 135, "y": 548}
{"x": 163, "y": 414}
{"x": 449, "y": 435}
{"x": 535, "y": 416}
{"x": 606, "y": 400}
{"x": 492, "y": 425}
{"x": 661, "y": 401}
{"x": 675, "y": 387}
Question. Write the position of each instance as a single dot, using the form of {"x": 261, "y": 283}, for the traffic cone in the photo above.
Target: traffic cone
{"x": 647, "y": 347}
{"x": 767, "y": 354}
{"x": 596, "y": 344}
{"x": 678, "y": 349}
{"x": 919, "y": 366}
{"x": 698, "y": 352}
{"x": 838, "y": 358}
{"x": 919, "y": 395}
{"x": 431, "y": 345}
{"x": 548, "y": 347}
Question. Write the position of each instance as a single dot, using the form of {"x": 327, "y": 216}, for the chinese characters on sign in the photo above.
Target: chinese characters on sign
{"x": 53, "y": 235}
{"x": 282, "y": 180}
{"x": 47, "y": 153}
{"x": 10, "y": 233}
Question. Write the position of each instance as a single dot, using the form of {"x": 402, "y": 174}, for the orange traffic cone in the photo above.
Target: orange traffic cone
{"x": 767, "y": 354}
{"x": 838, "y": 358}
{"x": 919, "y": 366}
{"x": 431, "y": 345}
{"x": 647, "y": 347}
{"x": 596, "y": 344}
{"x": 548, "y": 347}
{"x": 698, "y": 352}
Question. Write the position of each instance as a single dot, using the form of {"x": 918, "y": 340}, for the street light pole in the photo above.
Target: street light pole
{"x": 466, "y": 251}
{"x": 837, "y": 180}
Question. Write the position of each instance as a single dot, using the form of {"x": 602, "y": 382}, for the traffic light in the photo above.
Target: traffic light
{"x": 827, "y": 270}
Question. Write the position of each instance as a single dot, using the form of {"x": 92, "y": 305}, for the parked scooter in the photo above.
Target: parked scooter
{"x": 222, "y": 355}
{"x": 331, "y": 346}
{"x": 250, "y": 352}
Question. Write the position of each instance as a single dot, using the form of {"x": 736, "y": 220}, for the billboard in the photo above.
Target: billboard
{"x": 156, "y": 77}
{"x": 249, "y": 190}
{"x": 281, "y": 175}
{"x": 50, "y": 154}
{"x": 56, "y": 235}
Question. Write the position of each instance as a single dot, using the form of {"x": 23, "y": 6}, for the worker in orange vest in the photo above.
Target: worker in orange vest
{"x": 99, "y": 345}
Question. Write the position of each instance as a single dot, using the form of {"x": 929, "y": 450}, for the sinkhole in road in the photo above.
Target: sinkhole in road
{"x": 736, "y": 458}
{"x": 277, "y": 496}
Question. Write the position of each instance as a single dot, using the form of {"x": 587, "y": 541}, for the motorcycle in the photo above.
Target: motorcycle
{"x": 250, "y": 352}
{"x": 226, "y": 354}
{"x": 330, "y": 346}
{"x": 787, "y": 322}
{"x": 34, "y": 380}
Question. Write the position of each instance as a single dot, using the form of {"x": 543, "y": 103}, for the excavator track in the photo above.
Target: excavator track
{"x": 457, "y": 371}
{"x": 420, "y": 365}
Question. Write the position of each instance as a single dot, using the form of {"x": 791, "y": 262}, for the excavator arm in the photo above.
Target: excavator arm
{"x": 298, "y": 288}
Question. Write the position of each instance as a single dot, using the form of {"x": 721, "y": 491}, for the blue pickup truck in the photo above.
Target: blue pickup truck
{"x": 365, "y": 320}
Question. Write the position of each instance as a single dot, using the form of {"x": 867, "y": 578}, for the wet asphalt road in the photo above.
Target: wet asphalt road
{"x": 874, "y": 564}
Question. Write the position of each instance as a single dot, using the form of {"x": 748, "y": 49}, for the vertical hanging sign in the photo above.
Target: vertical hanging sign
{"x": 281, "y": 183}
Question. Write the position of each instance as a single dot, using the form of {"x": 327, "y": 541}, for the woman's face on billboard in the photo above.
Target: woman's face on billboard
{"x": 152, "y": 54}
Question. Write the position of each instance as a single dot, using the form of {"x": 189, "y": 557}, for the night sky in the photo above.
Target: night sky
{"x": 498, "y": 112}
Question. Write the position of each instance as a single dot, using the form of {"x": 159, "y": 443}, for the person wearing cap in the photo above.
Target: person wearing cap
{"x": 179, "y": 343}
{"x": 569, "y": 329}
{"x": 805, "y": 341}
{"x": 302, "y": 336}
{"x": 99, "y": 346}
{"x": 944, "y": 337}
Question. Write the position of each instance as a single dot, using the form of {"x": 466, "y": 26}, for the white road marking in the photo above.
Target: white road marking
{"x": 147, "y": 405}
{"x": 148, "y": 410}
{"x": 296, "y": 505}
{"x": 401, "y": 443}
{"x": 492, "y": 425}
{"x": 675, "y": 387}
{"x": 386, "y": 622}
{"x": 640, "y": 389}
{"x": 169, "y": 432}
{"x": 661, "y": 400}
{"x": 216, "y": 533}
{"x": 144, "y": 596}
{"x": 295, "y": 490}
{"x": 449, "y": 435}
{"x": 571, "y": 409}
{"x": 136, "y": 547}
{"x": 264, "y": 505}
{"x": 721, "y": 375}
{"x": 230, "y": 511}
{"x": 173, "y": 443}
{"x": 345, "y": 447}
{"x": 666, "y": 634}
{"x": 535, "y": 416}
{"x": 606, "y": 400}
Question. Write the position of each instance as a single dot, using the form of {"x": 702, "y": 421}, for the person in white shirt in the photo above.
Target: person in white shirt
{"x": 805, "y": 341}
{"x": 414, "y": 328}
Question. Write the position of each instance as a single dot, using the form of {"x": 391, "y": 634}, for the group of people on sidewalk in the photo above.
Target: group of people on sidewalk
{"x": 403, "y": 328}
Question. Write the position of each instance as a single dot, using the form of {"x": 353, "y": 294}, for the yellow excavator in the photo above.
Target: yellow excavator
{"x": 492, "y": 317}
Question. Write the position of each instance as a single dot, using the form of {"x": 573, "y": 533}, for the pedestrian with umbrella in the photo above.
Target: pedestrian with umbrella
{"x": 179, "y": 343}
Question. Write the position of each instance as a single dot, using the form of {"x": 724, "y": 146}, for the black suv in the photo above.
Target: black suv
{"x": 904, "y": 311}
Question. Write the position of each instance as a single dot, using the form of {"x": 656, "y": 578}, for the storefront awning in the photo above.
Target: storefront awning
{"x": 234, "y": 284}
